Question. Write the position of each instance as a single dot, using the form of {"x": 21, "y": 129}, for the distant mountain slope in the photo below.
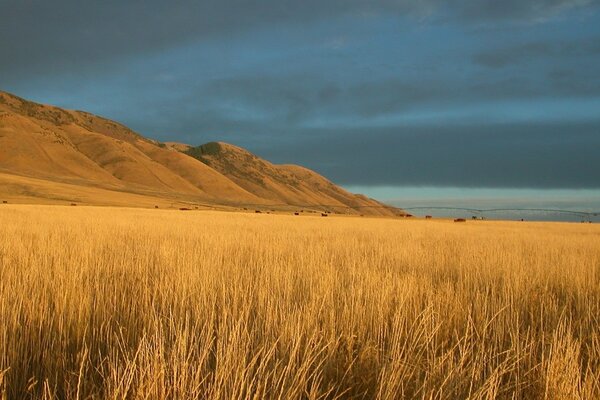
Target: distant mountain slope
{"x": 79, "y": 148}
{"x": 286, "y": 184}
{"x": 48, "y": 142}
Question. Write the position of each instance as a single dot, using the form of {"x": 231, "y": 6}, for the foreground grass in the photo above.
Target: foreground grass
{"x": 116, "y": 303}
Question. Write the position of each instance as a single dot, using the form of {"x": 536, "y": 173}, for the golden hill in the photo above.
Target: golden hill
{"x": 48, "y": 154}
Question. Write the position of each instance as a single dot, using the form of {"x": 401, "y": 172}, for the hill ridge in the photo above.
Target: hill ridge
{"x": 57, "y": 145}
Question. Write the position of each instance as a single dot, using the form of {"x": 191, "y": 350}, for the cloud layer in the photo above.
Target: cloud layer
{"x": 471, "y": 93}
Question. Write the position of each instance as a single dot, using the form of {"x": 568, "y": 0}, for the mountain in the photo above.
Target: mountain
{"x": 49, "y": 154}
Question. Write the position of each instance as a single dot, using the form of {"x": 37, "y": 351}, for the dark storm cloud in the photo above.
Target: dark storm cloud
{"x": 278, "y": 118}
{"x": 386, "y": 92}
{"x": 535, "y": 155}
{"x": 63, "y": 35}
{"x": 532, "y": 51}
{"x": 293, "y": 100}
{"x": 542, "y": 154}
{"x": 519, "y": 10}
{"x": 68, "y": 33}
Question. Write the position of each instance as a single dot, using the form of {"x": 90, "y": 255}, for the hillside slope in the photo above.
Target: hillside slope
{"x": 68, "y": 147}
{"x": 281, "y": 184}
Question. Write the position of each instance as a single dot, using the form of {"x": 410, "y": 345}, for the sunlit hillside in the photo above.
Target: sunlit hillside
{"x": 58, "y": 156}
{"x": 109, "y": 303}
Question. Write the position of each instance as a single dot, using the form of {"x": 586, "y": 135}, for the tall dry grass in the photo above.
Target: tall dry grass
{"x": 106, "y": 303}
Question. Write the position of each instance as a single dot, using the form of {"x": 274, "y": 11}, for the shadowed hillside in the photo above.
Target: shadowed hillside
{"x": 61, "y": 147}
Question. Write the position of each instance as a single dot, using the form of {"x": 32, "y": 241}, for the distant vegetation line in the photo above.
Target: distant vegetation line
{"x": 309, "y": 205}
{"x": 474, "y": 210}
{"x": 491, "y": 210}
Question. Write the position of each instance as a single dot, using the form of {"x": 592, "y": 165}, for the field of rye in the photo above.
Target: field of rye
{"x": 109, "y": 303}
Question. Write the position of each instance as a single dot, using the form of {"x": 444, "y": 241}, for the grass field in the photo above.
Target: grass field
{"x": 110, "y": 303}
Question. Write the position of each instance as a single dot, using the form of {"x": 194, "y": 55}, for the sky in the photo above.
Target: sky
{"x": 410, "y": 102}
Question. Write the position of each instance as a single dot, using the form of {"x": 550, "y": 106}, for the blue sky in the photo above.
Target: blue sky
{"x": 384, "y": 96}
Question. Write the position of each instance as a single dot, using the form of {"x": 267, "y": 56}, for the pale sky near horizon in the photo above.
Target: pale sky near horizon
{"x": 403, "y": 100}
{"x": 504, "y": 203}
